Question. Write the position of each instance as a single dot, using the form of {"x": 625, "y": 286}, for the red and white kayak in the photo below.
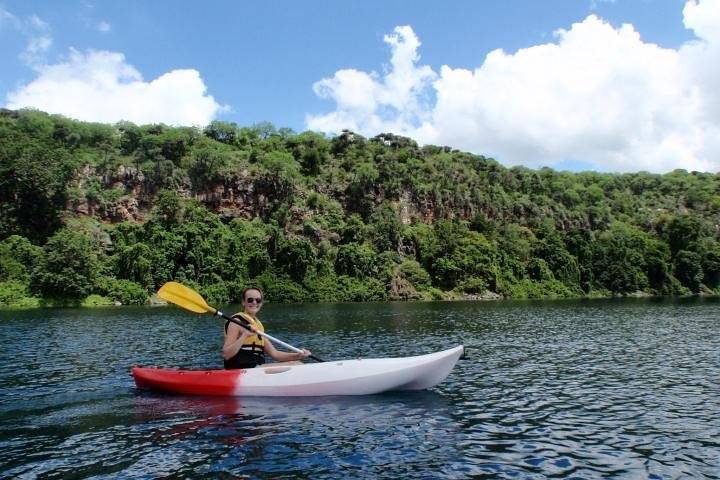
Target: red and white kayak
{"x": 345, "y": 377}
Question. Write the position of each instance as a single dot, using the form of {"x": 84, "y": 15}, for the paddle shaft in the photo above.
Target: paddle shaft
{"x": 265, "y": 335}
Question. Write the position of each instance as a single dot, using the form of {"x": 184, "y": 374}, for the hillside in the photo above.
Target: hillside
{"x": 111, "y": 212}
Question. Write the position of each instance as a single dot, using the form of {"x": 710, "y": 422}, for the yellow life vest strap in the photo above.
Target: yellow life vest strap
{"x": 253, "y": 342}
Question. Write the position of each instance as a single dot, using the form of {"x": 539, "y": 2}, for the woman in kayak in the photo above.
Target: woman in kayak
{"x": 246, "y": 349}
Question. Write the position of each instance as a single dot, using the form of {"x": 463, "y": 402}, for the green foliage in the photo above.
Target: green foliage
{"x": 206, "y": 164}
{"x": 688, "y": 269}
{"x": 168, "y": 210}
{"x": 551, "y": 248}
{"x": 223, "y": 132}
{"x": 356, "y": 260}
{"x": 295, "y": 257}
{"x": 281, "y": 174}
{"x": 711, "y": 264}
{"x": 15, "y": 294}
{"x": 413, "y": 272}
{"x": 682, "y": 232}
{"x": 619, "y": 263}
{"x": 17, "y": 258}
{"x": 361, "y": 189}
{"x": 34, "y": 172}
{"x": 217, "y": 293}
{"x": 310, "y": 150}
{"x": 126, "y": 292}
{"x": 282, "y": 289}
{"x": 95, "y": 300}
{"x": 312, "y": 218}
{"x": 69, "y": 266}
{"x": 384, "y": 228}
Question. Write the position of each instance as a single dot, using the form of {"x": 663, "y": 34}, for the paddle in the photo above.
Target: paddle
{"x": 189, "y": 299}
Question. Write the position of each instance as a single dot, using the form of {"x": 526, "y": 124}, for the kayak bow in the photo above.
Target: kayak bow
{"x": 344, "y": 377}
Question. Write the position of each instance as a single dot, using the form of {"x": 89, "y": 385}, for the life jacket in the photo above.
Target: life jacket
{"x": 252, "y": 351}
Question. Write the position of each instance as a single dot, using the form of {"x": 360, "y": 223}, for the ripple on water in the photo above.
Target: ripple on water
{"x": 607, "y": 389}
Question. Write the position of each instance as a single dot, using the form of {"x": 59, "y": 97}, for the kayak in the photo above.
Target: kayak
{"x": 344, "y": 377}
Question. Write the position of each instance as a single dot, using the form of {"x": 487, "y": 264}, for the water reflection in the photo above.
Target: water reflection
{"x": 258, "y": 435}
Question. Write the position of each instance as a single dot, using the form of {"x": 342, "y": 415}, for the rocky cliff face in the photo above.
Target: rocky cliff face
{"x": 117, "y": 196}
{"x": 125, "y": 195}
{"x": 234, "y": 198}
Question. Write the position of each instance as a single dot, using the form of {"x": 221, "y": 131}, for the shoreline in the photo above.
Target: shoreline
{"x": 155, "y": 301}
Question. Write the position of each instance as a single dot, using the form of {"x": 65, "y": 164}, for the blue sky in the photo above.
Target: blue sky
{"x": 619, "y": 85}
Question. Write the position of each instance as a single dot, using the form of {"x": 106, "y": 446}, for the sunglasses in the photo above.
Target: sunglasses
{"x": 253, "y": 300}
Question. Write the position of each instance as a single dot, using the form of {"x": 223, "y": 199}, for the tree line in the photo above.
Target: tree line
{"x": 345, "y": 218}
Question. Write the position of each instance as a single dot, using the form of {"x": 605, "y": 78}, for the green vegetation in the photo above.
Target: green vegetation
{"x": 100, "y": 214}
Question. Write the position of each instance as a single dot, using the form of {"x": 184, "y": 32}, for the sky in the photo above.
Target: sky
{"x": 603, "y": 85}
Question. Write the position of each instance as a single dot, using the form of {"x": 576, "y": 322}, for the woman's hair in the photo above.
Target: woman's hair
{"x": 262, "y": 295}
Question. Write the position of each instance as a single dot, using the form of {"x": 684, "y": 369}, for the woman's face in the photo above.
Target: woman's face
{"x": 252, "y": 301}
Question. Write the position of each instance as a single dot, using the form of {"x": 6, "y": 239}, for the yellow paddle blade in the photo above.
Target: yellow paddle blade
{"x": 184, "y": 297}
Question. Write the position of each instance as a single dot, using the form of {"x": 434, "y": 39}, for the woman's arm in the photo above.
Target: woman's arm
{"x": 279, "y": 356}
{"x": 234, "y": 339}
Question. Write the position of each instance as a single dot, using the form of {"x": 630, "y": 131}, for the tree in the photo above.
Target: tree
{"x": 688, "y": 269}
{"x": 711, "y": 264}
{"x": 619, "y": 259}
{"x": 682, "y": 233}
{"x": 68, "y": 268}
{"x": 282, "y": 173}
{"x": 296, "y": 257}
{"x": 134, "y": 262}
{"x": 355, "y": 260}
{"x": 385, "y": 228}
{"x": 130, "y": 135}
{"x": 168, "y": 210}
{"x": 579, "y": 243}
{"x": 478, "y": 258}
{"x": 206, "y": 164}
{"x": 326, "y": 215}
{"x": 361, "y": 189}
{"x": 551, "y": 248}
{"x": 248, "y": 246}
{"x": 311, "y": 150}
{"x": 17, "y": 258}
{"x": 33, "y": 177}
{"x": 658, "y": 267}
{"x": 264, "y": 129}
{"x": 224, "y": 132}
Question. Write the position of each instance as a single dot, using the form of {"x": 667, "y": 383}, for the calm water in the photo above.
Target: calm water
{"x": 566, "y": 389}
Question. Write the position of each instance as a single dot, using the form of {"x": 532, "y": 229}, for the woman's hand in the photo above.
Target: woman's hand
{"x": 304, "y": 354}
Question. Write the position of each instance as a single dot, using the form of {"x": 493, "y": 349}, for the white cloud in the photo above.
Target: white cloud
{"x": 35, "y": 30}
{"x": 101, "y": 86}
{"x": 371, "y": 102}
{"x": 597, "y": 94}
{"x": 104, "y": 27}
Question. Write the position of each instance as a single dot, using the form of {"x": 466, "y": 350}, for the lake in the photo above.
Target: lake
{"x": 622, "y": 388}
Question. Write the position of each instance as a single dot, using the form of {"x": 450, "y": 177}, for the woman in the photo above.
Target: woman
{"x": 246, "y": 349}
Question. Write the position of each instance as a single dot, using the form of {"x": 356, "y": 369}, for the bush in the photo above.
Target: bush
{"x": 411, "y": 271}
{"x": 68, "y": 267}
{"x": 96, "y": 301}
{"x": 14, "y": 294}
{"x": 126, "y": 292}
{"x": 473, "y": 285}
{"x": 17, "y": 257}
